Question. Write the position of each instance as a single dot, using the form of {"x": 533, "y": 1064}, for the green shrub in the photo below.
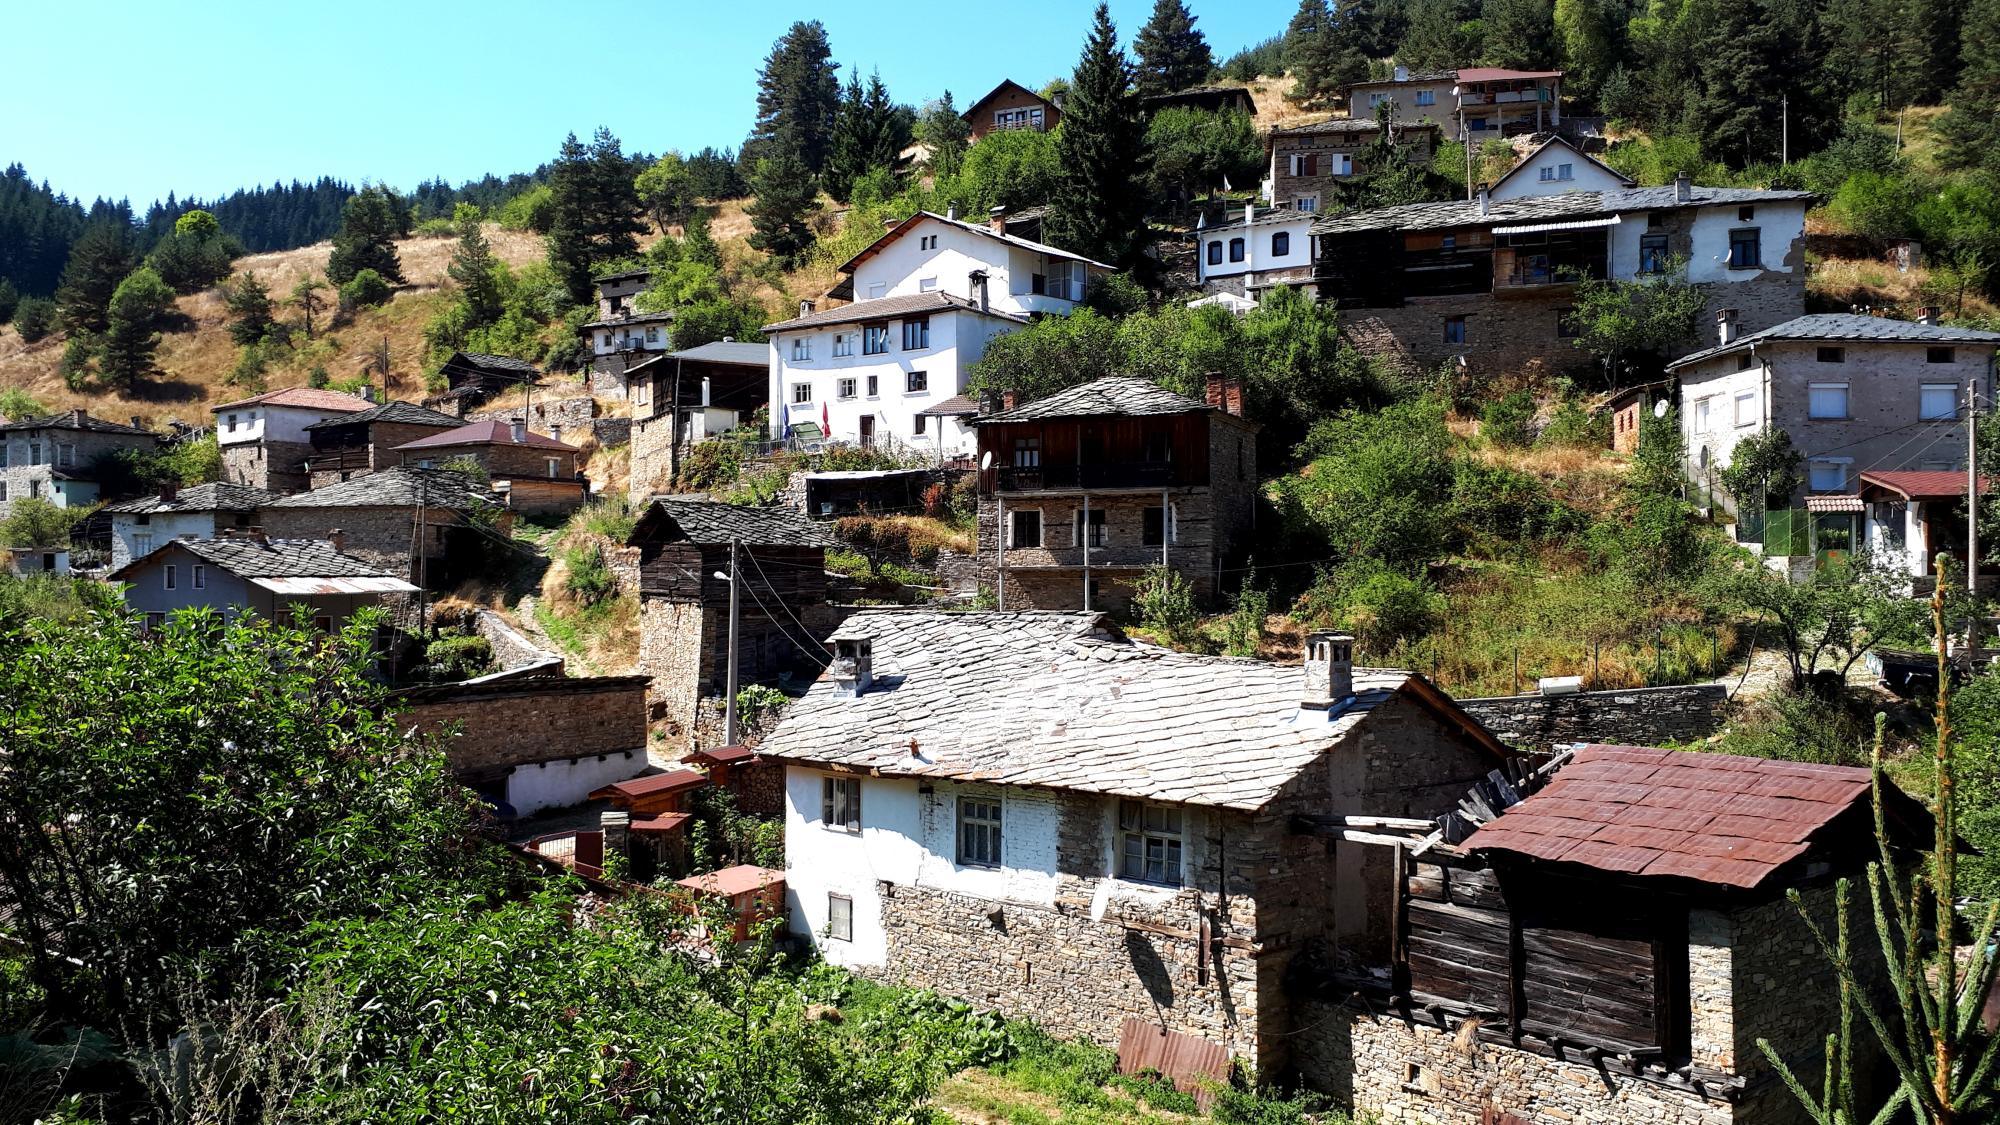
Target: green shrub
{"x": 458, "y": 656}
{"x": 1491, "y": 502}
{"x": 1572, "y": 425}
{"x": 36, "y": 522}
{"x": 611, "y": 517}
{"x": 16, "y": 404}
{"x": 1244, "y": 629}
{"x": 1166, "y": 607}
{"x": 1506, "y": 421}
{"x": 709, "y": 466}
{"x": 367, "y": 290}
{"x": 435, "y": 228}
{"x": 588, "y": 579}
{"x": 34, "y": 318}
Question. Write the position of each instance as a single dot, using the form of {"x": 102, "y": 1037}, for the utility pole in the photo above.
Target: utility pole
{"x": 1972, "y": 489}
{"x": 674, "y": 425}
{"x": 729, "y": 706}
{"x": 423, "y": 569}
{"x": 1083, "y": 536}
{"x": 1785, "y": 128}
{"x": 1000, "y": 537}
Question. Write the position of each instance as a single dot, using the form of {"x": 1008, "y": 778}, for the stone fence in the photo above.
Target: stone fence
{"x": 1637, "y": 717}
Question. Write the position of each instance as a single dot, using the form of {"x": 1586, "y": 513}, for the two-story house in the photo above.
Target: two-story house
{"x": 1089, "y": 487}
{"x": 1856, "y": 394}
{"x": 1490, "y": 282}
{"x": 1011, "y": 105}
{"x": 432, "y": 526}
{"x": 1308, "y": 164}
{"x": 535, "y": 474}
{"x": 202, "y": 512}
{"x": 622, "y": 337}
{"x": 1474, "y": 102}
{"x": 50, "y": 458}
{"x": 680, "y": 398}
{"x": 271, "y": 578}
{"x": 930, "y": 294}
{"x": 263, "y": 438}
{"x": 354, "y": 445}
{"x": 1035, "y": 812}
{"x": 1254, "y": 251}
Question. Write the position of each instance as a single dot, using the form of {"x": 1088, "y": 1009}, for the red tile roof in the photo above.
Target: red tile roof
{"x": 309, "y": 397}
{"x": 1496, "y": 73}
{"x": 486, "y": 433}
{"x": 733, "y": 881}
{"x": 1712, "y": 818}
{"x": 1923, "y": 484}
{"x": 670, "y": 782}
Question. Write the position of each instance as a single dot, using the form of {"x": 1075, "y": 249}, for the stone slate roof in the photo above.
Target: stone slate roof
{"x": 201, "y": 498}
{"x": 660, "y": 317}
{"x": 728, "y": 351}
{"x": 497, "y": 363}
{"x": 486, "y": 433}
{"x": 1116, "y": 395}
{"x": 79, "y": 420}
{"x": 1544, "y": 208}
{"x": 274, "y": 558}
{"x": 1854, "y": 327}
{"x": 311, "y": 398}
{"x": 1064, "y": 700}
{"x": 711, "y": 523}
{"x": 407, "y": 413}
{"x": 883, "y": 308}
{"x": 1338, "y": 125}
{"x": 401, "y": 487}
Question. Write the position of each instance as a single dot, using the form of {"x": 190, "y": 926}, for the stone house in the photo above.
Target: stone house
{"x": 684, "y": 563}
{"x": 1011, "y": 105}
{"x": 1614, "y": 947}
{"x": 1250, "y": 254}
{"x": 365, "y": 442}
{"x": 271, "y": 578}
{"x": 412, "y": 522}
{"x": 263, "y": 438}
{"x": 473, "y": 377}
{"x": 932, "y": 292}
{"x": 533, "y": 473}
{"x": 680, "y": 398}
{"x": 50, "y": 458}
{"x": 1856, "y": 393}
{"x": 1033, "y": 812}
{"x": 1489, "y": 283}
{"x": 1473, "y": 102}
{"x": 1092, "y": 485}
{"x": 1309, "y": 164}
{"x": 622, "y": 337}
{"x": 206, "y": 511}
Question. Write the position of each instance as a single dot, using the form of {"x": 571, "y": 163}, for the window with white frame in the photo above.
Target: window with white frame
{"x": 843, "y": 344}
{"x": 979, "y": 831}
{"x": 840, "y": 917}
{"x": 802, "y": 347}
{"x": 1305, "y": 163}
{"x": 917, "y": 382}
{"x": 554, "y": 466}
{"x": 1340, "y": 164}
{"x": 1149, "y": 843}
{"x": 1938, "y": 400}
{"x": 878, "y": 290}
{"x": 1746, "y": 408}
{"x": 199, "y": 575}
{"x": 1028, "y": 453}
{"x": 1828, "y": 475}
{"x": 844, "y": 388}
{"x": 1700, "y": 421}
{"x": 801, "y": 393}
{"x": 1826, "y": 400}
{"x": 840, "y": 803}
{"x": 1307, "y": 204}
{"x": 1024, "y": 527}
{"x": 142, "y": 543}
{"x": 927, "y": 285}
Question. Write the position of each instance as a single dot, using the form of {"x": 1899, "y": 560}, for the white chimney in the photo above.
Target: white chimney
{"x": 707, "y": 386}
{"x": 1725, "y": 326}
{"x": 520, "y": 431}
{"x": 555, "y": 432}
{"x": 951, "y": 212}
{"x": 805, "y": 308}
{"x": 1249, "y": 213}
{"x": 978, "y": 279}
{"x": 1402, "y": 74}
{"x": 1329, "y": 672}
{"x": 1484, "y": 200}
{"x": 1927, "y": 314}
{"x": 853, "y": 665}
{"x": 1683, "y": 187}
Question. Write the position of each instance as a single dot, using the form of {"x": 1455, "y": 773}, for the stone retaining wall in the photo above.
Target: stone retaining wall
{"x": 519, "y": 722}
{"x": 511, "y": 649}
{"x": 1639, "y": 717}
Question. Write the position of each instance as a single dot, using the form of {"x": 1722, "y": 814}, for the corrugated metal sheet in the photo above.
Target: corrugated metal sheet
{"x": 1196, "y": 1066}
{"x": 1573, "y": 224}
{"x": 334, "y": 585}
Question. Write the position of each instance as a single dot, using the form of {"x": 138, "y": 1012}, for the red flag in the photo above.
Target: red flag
{"x": 825, "y": 427}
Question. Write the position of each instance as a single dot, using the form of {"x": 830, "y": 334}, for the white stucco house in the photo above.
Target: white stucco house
{"x": 1555, "y": 167}
{"x": 141, "y": 526}
{"x": 1255, "y": 250}
{"x": 263, "y": 438}
{"x": 928, "y": 296}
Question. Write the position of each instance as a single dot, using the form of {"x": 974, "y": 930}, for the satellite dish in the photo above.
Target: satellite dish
{"x": 1660, "y": 409}
{"x": 985, "y": 460}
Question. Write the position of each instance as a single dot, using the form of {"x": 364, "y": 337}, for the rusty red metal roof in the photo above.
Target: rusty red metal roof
{"x": 1712, "y": 818}
{"x": 732, "y": 881}
{"x": 664, "y": 823}
{"x": 1922, "y": 484}
{"x": 669, "y": 782}
{"x": 721, "y": 756}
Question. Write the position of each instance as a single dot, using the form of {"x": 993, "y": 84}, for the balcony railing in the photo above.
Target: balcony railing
{"x": 1143, "y": 474}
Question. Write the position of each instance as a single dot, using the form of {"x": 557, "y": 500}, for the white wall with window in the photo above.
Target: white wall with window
{"x": 1265, "y": 244}
{"x": 1715, "y": 240}
{"x": 264, "y": 422}
{"x": 873, "y": 379}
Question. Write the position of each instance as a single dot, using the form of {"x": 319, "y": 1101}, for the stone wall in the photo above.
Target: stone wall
{"x": 379, "y": 535}
{"x": 1418, "y": 142}
{"x": 572, "y": 414}
{"x": 652, "y": 440}
{"x": 1050, "y": 575}
{"x": 611, "y": 431}
{"x": 519, "y": 722}
{"x": 510, "y": 648}
{"x": 1639, "y": 717}
{"x": 276, "y": 466}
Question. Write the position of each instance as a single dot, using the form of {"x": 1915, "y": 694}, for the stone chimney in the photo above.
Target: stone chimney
{"x": 997, "y": 219}
{"x": 1683, "y": 188}
{"x": 338, "y": 539}
{"x": 989, "y": 402}
{"x": 978, "y": 280}
{"x": 368, "y": 392}
{"x": 1215, "y": 389}
{"x": 170, "y": 489}
{"x": 1485, "y": 201}
{"x": 1927, "y": 314}
{"x": 617, "y": 826}
{"x": 519, "y": 431}
{"x": 1232, "y": 396}
{"x": 853, "y": 665}
{"x": 805, "y": 308}
{"x": 1329, "y": 672}
{"x": 1725, "y": 326}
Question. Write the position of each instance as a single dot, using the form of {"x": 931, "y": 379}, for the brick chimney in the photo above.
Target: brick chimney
{"x": 1725, "y": 326}
{"x": 1232, "y": 396}
{"x": 1215, "y": 389}
{"x": 1683, "y": 187}
{"x": 852, "y": 669}
{"x": 1329, "y": 672}
{"x": 997, "y": 219}
{"x": 1927, "y": 314}
{"x": 338, "y": 539}
{"x": 170, "y": 489}
{"x": 1009, "y": 399}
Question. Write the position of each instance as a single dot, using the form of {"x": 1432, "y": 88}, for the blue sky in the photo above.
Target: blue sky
{"x": 136, "y": 99}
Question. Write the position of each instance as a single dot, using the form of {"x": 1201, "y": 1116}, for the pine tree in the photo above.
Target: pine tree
{"x": 1583, "y": 32}
{"x": 1442, "y": 36}
{"x": 594, "y": 211}
{"x": 370, "y": 223}
{"x": 101, "y": 259}
{"x": 132, "y": 325}
{"x": 1173, "y": 55}
{"x": 471, "y": 267}
{"x": 306, "y": 295}
{"x": 871, "y": 132}
{"x": 782, "y": 210}
{"x": 798, "y": 96}
{"x": 943, "y": 130}
{"x": 9, "y": 298}
{"x": 1972, "y": 126}
{"x": 1520, "y": 34}
{"x": 249, "y": 305}
{"x": 1319, "y": 55}
{"x": 1100, "y": 209}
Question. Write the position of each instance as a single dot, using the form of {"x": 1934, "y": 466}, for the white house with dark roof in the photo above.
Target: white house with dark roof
{"x": 930, "y": 294}
{"x": 263, "y": 438}
{"x": 1554, "y": 167}
{"x": 202, "y": 512}
{"x": 1034, "y": 811}
{"x": 1249, "y": 251}
{"x": 253, "y": 574}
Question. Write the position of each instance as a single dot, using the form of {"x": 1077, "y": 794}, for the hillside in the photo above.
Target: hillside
{"x": 195, "y": 364}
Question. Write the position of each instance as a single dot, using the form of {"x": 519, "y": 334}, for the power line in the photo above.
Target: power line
{"x": 768, "y": 585}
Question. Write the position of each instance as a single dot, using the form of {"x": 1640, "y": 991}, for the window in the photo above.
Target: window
{"x": 927, "y": 242}
{"x": 1556, "y": 172}
{"x": 874, "y": 339}
{"x": 1024, "y": 527}
{"x": 172, "y": 575}
{"x": 1652, "y": 253}
{"x": 874, "y": 385}
{"x": 1281, "y": 244}
{"x": 1215, "y": 253}
{"x": 917, "y": 334}
{"x": 155, "y": 622}
{"x": 1743, "y": 249}
{"x": 1744, "y": 361}
{"x": 554, "y": 465}
{"x": 607, "y": 339}
{"x": 1159, "y": 448}
{"x": 34, "y": 453}
{"x": 927, "y": 285}
{"x": 917, "y": 426}
{"x": 979, "y": 831}
{"x": 142, "y": 543}
{"x": 1153, "y": 532}
{"x": 1939, "y": 355}
{"x": 1236, "y": 249}
{"x": 843, "y": 388}
{"x": 1448, "y": 242}
{"x": 1427, "y": 97}
{"x": 200, "y": 577}
{"x": 1938, "y": 400}
{"x": 1826, "y": 400}
{"x": 1745, "y": 214}
{"x": 652, "y": 335}
{"x": 1832, "y": 355}
{"x": 1828, "y": 476}
{"x": 840, "y": 803}
{"x": 839, "y": 917}
{"x": 1305, "y": 164}
{"x": 1149, "y": 843}
{"x": 917, "y": 382}
{"x": 1028, "y": 453}
{"x": 1454, "y": 330}
{"x": 802, "y": 392}
{"x": 802, "y": 347}
{"x": 1095, "y": 537}
{"x": 1701, "y": 416}
{"x": 34, "y": 488}
{"x": 3, "y": 491}
{"x": 1746, "y": 408}
{"x": 1307, "y": 204}
{"x": 230, "y": 421}
{"x": 1342, "y": 164}
{"x": 843, "y": 344}
{"x": 877, "y": 290}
